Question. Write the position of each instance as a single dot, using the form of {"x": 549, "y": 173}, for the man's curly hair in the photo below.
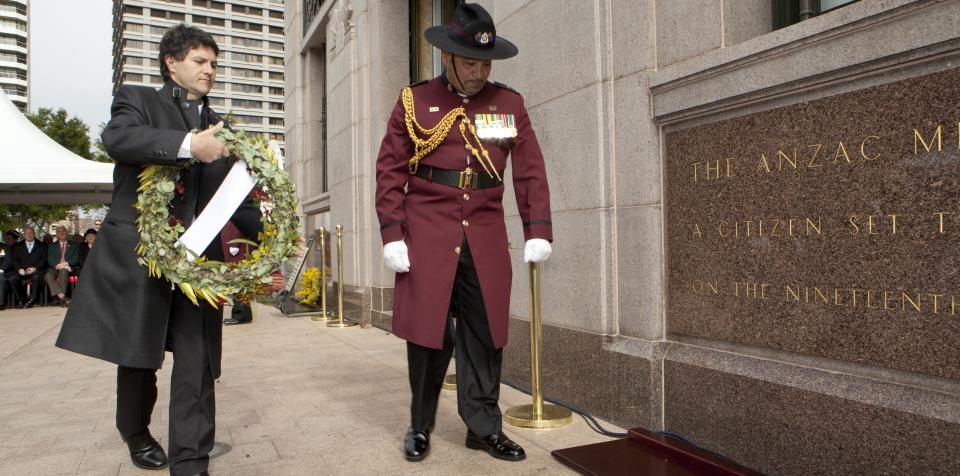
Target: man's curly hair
{"x": 179, "y": 40}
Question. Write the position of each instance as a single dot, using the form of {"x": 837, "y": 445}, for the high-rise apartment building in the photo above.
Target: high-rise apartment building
{"x": 250, "y": 36}
{"x": 15, "y": 51}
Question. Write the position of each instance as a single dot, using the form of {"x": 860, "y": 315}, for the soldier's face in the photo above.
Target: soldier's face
{"x": 196, "y": 72}
{"x": 472, "y": 73}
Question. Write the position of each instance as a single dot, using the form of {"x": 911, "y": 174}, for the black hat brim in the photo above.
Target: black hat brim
{"x": 438, "y": 36}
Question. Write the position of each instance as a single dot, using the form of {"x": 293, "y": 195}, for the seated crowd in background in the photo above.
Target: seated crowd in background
{"x": 25, "y": 265}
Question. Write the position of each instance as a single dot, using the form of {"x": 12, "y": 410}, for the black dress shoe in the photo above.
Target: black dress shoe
{"x": 416, "y": 445}
{"x": 498, "y": 445}
{"x": 145, "y": 452}
{"x": 28, "y": 304}
{"x": 232, "y": 322}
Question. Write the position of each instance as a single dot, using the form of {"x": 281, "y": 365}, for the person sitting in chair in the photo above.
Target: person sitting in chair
{"x": 29, "y": 261}
{"x": 63, "y": 256}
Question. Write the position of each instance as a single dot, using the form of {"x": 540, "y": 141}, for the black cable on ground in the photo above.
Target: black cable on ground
{"x": 587, "y": 417}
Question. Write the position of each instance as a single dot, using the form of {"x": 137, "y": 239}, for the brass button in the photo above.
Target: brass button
{"x": 466, "y": 196}
{"x": 456, "y": 250}
{"x": 465, "y": 223}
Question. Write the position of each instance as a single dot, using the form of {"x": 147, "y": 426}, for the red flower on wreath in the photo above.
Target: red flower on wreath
{"x": 174, "y": 221}
{"x": 258, "y": 194}
{"x": 179, "y": 189}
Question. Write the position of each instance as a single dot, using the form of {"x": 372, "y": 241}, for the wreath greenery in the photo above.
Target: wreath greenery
{"x": 215, "y": 281}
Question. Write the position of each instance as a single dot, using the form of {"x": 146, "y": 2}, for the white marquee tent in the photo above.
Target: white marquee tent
{"x": 35, "y": 169}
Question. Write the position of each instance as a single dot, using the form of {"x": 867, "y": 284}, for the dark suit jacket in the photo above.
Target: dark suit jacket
{"x": 37, "y": 258}
{"x": 119, "y": 313}
{"x": 6, "y": 261}
{"x": 72, "y": 256}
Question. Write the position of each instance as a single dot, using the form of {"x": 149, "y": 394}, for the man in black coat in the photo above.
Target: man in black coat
{"x": 29, "y": 263}
{"x": 6, "y": 264}
{"x": 122, "y": 315}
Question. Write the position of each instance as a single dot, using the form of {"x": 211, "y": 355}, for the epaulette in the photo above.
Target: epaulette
{"x": 504, "y": 86}
{"x": 418, "y": 83}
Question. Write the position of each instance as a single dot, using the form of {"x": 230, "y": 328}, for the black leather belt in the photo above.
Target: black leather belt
{"x": 458, "y": 179}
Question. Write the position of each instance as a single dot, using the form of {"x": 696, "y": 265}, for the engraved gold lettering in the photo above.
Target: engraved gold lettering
{"x": 886, "y": 300}
{"x": 776, "y": 226}
{"x": 863, "y": 145}
{"x": 820, "y": 294}
{"x": 836, "y": 297}
{"x": 870, "y": 230}
{"x": 905, "y": 298}
{"x": 696, "y": 231}
{"x": 793, "y": 292}
{"x": 763, "y": 163}
{"x": 936, "y": 302}
{"x": 714, "y": 170}
{"x": 713, "y": 287}
{"x": 918, "y": 139}
{"x": 730, "y": 167}
{"x": 841, "y": 150}
{"x": 781, "y": 156}
{"x": 815, "y": 227}
{"x": 940, "y": 216}
{"x": 870, "y": 299}
{"x": 720, "y": 229}
{"x": 790, "y": 224}
{"x": 853, "y": 223}
{"x": 813, "y": 158}
{"x": 696, "y": 167}
{"x": 853, "y": 294}
{"x": 893, "y": 222}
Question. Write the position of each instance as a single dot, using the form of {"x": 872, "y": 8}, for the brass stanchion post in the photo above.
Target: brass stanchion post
{"x": 536, "y": 415}
{"x": 324, "y": 315}
{"x": 340, "y": 322}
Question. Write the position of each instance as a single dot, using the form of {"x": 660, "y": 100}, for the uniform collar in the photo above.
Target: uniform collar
{"x": 449, "y": 87}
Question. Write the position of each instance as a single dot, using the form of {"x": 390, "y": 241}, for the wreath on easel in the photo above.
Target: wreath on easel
{"x": 216, "y": 281}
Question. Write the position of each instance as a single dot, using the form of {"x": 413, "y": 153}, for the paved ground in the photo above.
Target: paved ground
{"x": 295, "y": 398}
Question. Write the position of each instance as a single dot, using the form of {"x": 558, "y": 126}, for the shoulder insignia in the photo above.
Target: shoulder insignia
{"x": 504, "y": 86}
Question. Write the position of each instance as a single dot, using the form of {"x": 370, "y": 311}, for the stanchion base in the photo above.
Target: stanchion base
{"x": 341, "y": 325}
{"x": 553, "y": 416}
{"x": 450, "y": 382}
{"x": 323, "y": 318}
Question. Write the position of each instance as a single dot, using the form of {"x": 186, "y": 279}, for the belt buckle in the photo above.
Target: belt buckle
{"x": 468, "y": 179}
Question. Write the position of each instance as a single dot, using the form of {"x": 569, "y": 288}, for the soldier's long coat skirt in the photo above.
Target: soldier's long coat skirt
{"x": 433, "y": 219}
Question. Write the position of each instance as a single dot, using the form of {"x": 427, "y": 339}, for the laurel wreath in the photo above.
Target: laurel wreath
{"x": 216, "y": 281}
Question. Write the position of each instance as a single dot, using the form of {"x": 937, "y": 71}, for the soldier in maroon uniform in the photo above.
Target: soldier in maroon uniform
{"x": 439, "y": 201}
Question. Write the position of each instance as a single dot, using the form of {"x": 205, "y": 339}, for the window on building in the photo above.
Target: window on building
{"x": 257, "y": 12}
{"x": 136, "y": 44}
{"x": 219, "y": 86}
{"x": 276, "y": 76}
{"x": 12, "y": 41}
{"x": 249, "y": 58}
{"x": 217, "y": 101}
{"x": 13, "y": 8}
{"x": 211, "y": 4}
{"x": 247, "y": 73}
{"x": 276, "y": 30}
{"x": 276, "y": 106}
{"x": 178, "y": 2}
{"x": 247, "y": 88}
{"x": 425, "y": 62}
{"x": 788, "y": 12}
{"x": 276, "y": 14}
{"x": 276, "y": 137}
{"x": 276, "y": 46}
{"x": 247, "y": 42}
{"x": 276, "y": 91}
{"x": 134, "y": 60}
{"x": 178, "y": 16}
{"x": 127, "y": 77}
{"x": 276, "y": 121}
{"x": 158, "y": 30}
{"x": 276, "y": 61}
{"x": 245, "y": 119}
{"x": 131, "y": 10}
{"x": 133, "y": 27}
{"x": 13, "y": 73}
{"x": 13, "y": 90}
{"x": 14, "y": 24}
{"x": 247, "y": 103}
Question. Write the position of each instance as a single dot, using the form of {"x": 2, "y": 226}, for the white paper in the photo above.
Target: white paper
{"x": 215, "y": 215}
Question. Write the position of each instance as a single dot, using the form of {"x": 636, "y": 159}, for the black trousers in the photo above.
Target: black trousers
{"x": 478, "y": 362}
{"x": 192, "y": 405}
{"x": 19, "y": 283}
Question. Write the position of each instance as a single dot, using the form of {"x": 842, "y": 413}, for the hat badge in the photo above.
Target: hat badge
{"x": 484, "y": 38}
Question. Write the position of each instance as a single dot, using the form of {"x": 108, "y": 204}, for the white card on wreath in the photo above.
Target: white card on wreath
{"x": 234, "y": 189}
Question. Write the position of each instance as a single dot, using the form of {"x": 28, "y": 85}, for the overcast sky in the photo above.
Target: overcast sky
{"x": 71, "y": 57}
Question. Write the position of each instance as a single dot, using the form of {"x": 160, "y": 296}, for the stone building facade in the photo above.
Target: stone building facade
{"x": 609, "y": 84}
{"x": 15, "y": 51}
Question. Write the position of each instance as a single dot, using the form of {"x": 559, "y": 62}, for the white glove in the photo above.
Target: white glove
{"x": 537, "y": 250}
{"x": 395, "y": 256}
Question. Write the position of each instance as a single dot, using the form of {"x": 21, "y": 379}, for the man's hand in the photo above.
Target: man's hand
{"x": 537, "y": 250}
{"x": 205, "y": 147}
{"x": 31, "y": 270}
{"x": 395, "y": 256}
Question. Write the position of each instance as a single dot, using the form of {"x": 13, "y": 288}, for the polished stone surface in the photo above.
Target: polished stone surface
{"x": 781, "y": 429}
{"x": 728, "y": 286}
{"x": 576, "y": 369}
